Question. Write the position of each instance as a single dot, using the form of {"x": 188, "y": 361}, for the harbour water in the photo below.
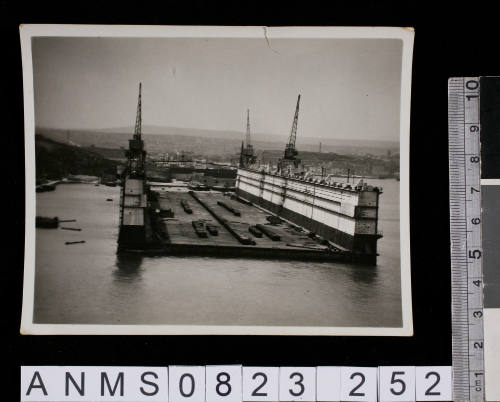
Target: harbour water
{"x": 89, "y": 283}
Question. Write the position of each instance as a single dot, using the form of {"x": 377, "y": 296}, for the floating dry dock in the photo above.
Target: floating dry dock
{"x": 233, "y": 238}
{"x": 342, "y": 213}
{"x": 284, "y": 215}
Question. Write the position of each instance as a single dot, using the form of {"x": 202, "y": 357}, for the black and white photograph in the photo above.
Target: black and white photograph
{"x": 217, "y": 180}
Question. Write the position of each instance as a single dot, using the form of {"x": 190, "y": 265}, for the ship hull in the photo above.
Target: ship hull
{"x": 219, "y": 251}
{"x": 345, "y": 217}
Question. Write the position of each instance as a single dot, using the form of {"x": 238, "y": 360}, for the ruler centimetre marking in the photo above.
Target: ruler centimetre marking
{"x": 465, "y": 232}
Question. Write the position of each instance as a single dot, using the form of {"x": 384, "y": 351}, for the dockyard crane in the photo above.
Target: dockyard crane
{"x": 134, "y": 189}
{"x": 138, "y": 117}
{"x": 290, "y": 151}
{"x": 247, "y": 155}
{"x": 136, "y": 154}
{"x": 247, "y": 138}
{"x": 290, "y": 156}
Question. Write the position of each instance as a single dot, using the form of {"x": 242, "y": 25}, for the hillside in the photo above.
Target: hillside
{"x": 209, "y": 142}
{"x": 368, "y": 165}
{"x": 55, "y": 160}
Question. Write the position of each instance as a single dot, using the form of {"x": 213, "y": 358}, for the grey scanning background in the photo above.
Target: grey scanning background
{"x": 491, "y": 249}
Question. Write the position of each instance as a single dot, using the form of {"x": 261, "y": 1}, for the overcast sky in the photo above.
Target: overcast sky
{"x": 350, "y": 87}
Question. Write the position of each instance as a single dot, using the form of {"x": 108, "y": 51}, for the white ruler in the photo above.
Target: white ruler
{"x": 465, "y": 231}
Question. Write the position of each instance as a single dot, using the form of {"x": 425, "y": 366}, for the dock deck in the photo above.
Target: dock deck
{"x": 182, "y": 239}
{"x": 180, "y": 229}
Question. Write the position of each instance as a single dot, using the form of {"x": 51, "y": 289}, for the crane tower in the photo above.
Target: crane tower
{"x": 134, "y": 189}
{"x": 136, "y": 155}
{"x": 247, "y": 155}
{"x": 290, "y": 159}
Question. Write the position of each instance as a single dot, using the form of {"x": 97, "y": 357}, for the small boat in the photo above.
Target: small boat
{"x": 46, "y": 223}
{"x": 75, "y": 242}
{"x": 45, "y": 187}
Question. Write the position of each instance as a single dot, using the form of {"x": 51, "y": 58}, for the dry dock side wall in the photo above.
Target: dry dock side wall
{"x": 345, "y": 217}
{"x": 133, "y": 203}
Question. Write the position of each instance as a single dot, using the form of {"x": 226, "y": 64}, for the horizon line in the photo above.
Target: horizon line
{"x": 105, "y": 130}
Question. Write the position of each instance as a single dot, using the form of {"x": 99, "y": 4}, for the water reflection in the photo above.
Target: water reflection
{"x": 93, "y": 284}
{"x": 360, "y": 274}
{"x": 128, "y": 267}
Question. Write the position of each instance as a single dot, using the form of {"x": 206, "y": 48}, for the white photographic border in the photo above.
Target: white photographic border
{"x": 27, "y": 32}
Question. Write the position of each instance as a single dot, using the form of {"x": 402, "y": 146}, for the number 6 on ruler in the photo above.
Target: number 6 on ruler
{"x": 223, "y": 383}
